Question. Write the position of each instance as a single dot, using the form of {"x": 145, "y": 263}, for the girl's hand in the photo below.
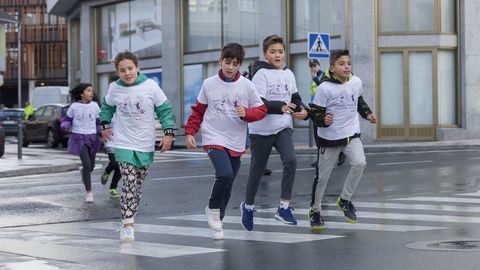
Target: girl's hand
{"x": 106, "y": 134}
{"x": 372, "y": 118}
{"x": 302, "y": 114}
{"x": 166, "y": 143}
{"x": 190, "y": 142}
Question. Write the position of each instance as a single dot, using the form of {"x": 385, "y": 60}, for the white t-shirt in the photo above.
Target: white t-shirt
{"x": 341, "y": 101}
{"x": 84, "y": 117}
{"x": 278, "y": 85}
{"x": 134, "y": 126}
{"x": 221, "y": 125}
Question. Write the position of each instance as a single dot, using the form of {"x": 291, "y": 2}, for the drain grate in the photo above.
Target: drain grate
{"x": 446, "y": 245}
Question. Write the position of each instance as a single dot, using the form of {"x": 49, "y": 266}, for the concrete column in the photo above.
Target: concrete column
{"x": 360, "y": 41}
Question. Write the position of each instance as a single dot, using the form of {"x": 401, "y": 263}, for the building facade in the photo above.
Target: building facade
{"x": 43, "y": 49}
{"x": 417, "y": 58}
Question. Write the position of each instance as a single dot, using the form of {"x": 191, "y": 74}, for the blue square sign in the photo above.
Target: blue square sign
{"x": 318, "y": 45}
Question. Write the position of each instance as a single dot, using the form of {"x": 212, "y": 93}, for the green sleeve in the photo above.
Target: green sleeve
{"x": 107, "y": 112}
{"x": 165, "y": 115}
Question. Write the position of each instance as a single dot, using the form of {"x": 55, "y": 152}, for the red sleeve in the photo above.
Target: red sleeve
{"x": 195, "y": 118}
{"x": 255, "y": 113}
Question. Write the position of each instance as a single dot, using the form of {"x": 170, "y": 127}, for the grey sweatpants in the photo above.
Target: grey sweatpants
{"x": 327, "y": 159}
{"x": 261, "y": 148}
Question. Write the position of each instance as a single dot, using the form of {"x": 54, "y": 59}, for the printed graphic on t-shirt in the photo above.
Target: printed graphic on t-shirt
{"x": 133, "y": 106}
{"x": 226, "y": 104}
{"x": 278, "y": 90}
{"x": 344, "y": 102}
{"x": 86, "y": 117}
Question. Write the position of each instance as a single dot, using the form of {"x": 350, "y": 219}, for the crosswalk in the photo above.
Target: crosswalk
{"x": 398, "y": 215}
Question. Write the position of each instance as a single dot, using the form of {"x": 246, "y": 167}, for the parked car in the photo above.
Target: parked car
{"x": 9, "y": 119}
{"x": 2, "y": 141}
{"x": 44, "y": 126}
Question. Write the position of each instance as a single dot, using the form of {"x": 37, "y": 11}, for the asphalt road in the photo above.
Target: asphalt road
{"x": 402, "y": 200}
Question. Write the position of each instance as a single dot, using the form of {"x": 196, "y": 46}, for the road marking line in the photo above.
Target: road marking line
{"x": 306, "y": 224}
{"x": 473, "y": 194}
{"x": 439, "y": 199}
{"x": 404, "y": 162}
{"x": 276, "y": 237}
{"x": 428, "y": 207}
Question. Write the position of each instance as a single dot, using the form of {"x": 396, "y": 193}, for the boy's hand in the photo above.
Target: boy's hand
{"x": 106, "y": 134}
{"x": 190, "y": 142}
{"x": 288, "y": 109}
{"x": 302, "y": 114}
{"x": 166, "y": 143}
{"x": 372, "y": 118}
{"x": 328, "y": 120}
{"x": 240, "y": 111}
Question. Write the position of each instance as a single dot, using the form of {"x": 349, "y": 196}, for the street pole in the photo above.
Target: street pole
{"x": 19, "y": 86}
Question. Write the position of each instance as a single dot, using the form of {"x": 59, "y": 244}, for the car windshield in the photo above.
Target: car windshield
{"x": 11, "y": 114}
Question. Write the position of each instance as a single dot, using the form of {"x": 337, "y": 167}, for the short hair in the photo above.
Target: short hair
{"x": 77, "y": 91}
{"x": 313, "y": 62}
{"x": 125, "y": 55}
{"x": 233, "y": 50}
{"x": 270, "y": 40}
{"x": 335, "y": 54}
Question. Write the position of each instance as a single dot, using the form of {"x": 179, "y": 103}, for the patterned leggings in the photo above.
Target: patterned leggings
{"x": 133, "y": 178}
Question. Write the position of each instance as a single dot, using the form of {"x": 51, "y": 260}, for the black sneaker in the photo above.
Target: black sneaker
{"x": 316, "y": 220}
{"x": 267, "y": 172}
{"x": 348, "y": 209}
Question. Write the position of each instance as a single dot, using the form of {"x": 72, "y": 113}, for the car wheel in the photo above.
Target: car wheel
{"x": 51, "y": 141}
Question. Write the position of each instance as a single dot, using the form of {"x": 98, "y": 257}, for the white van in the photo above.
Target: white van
{"x": 50, "y": 94}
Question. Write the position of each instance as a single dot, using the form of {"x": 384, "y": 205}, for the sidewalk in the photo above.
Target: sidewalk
{"x": 43, "y": 160}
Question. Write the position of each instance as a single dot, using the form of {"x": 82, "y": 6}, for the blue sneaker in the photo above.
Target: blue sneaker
{"x": 285, "y": 216}
{"x": 247, "y": 217}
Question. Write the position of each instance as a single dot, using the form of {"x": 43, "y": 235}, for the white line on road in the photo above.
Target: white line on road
{"x": 306, "y": 223}
{"x": 404, "y": 162}
{"x": 439, "y": 199}
{"x": 276, "y": 237}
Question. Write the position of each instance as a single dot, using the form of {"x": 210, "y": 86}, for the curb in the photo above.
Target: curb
{"x": 40, "y": 170}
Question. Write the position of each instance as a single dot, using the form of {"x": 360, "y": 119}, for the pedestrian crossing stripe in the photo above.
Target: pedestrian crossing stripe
{"x": 440, "y": 199}
{"x": 275, "y": 237}
{"x": 306, "y": 224}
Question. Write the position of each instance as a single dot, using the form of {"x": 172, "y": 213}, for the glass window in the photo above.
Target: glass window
{"x": 391, "y": 88}
{"x": 391, "y": 16}
{"x": 202, "y": 25}
{"x": 447, "y": 19}
{"x": 446, "y": 87}
{"x": 204, "y": 20}
{"x": 133, "y": 26}
{"x": 421, "y": 15}
{"x": 420, "y": 88}
{"x": 316, "y": 16}
{"x": 192, "y": 82}
{"x": 240, "y": 22}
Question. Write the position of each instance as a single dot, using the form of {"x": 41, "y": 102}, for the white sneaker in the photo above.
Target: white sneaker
{"x": 213, "y": 217}
{"x": 127, "y": 234}
{"x": 218, "y": 235}
{"x": 89, "y": 197}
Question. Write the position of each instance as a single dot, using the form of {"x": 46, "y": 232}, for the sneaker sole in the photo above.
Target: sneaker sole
{"x": 241, "y": 213}
{"x": 317, "y": 228}
{"x": 127, "y": 240}
{"x": 279, "y": 218}
{"x": 349, "y": 220}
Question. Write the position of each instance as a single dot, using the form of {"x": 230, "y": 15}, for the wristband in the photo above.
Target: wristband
{"x": 105, "y": 126}
{"x": 169, "y": 132}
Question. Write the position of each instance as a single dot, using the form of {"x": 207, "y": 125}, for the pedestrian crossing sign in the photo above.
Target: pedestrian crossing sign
{"x": 318, "y": 45}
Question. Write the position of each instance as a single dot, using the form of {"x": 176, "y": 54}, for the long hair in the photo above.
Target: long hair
{"x": 77, "y": 91}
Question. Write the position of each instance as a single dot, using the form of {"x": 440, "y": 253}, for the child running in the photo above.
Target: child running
{"x": 277, "y": 87}
{"x": 134, "y": 100}
{"x": 335, "y": 111}
{"x": 226, "y": 102}
{"x": 112, "y": 166}
{"x": 82, "y": 118}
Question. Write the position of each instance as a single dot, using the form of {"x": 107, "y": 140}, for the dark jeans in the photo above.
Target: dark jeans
{"x": 226, "y": 168}
{"x": 88, "y": 163}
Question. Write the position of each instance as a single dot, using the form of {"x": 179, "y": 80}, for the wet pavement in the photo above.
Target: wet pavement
{"x": 403, "y": 198}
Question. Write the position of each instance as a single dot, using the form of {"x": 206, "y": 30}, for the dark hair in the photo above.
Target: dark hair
{"x": 335, "y": 54}
{"x": 232, "y": 51}
{"x": 125, "y": 55}
{"x": 273, "y": 39}
{"x": 77, "y": 91}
